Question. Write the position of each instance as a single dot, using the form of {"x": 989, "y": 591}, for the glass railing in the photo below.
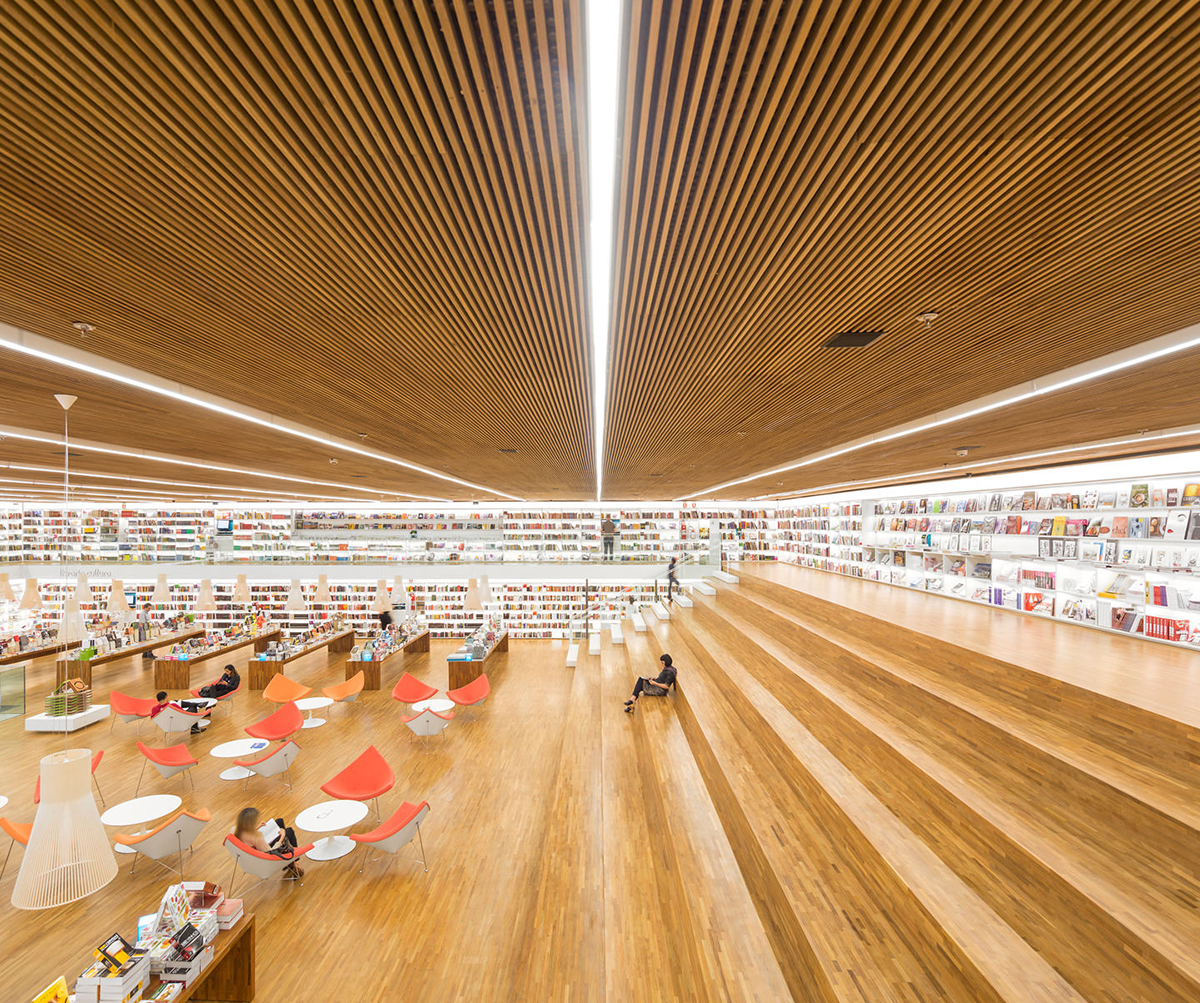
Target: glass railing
{"x": 617, "y": 606}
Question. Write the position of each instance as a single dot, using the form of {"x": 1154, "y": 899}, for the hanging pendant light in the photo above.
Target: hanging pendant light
{"x": 383, "y": 602}
{"x": 295, "y": 599}
{"x": 473, "y": 602}
{"x": 68, "y": 855}
{"x": 6, "y": 592}
{"x": 206, "y": 602}
{"x": 117, "y": 605}
{"x": 321, "y": 595}
{"x": 161, "y": 596}
{"x": 83, "y": 591}
{"x": 71, "y": 626}
{"x": 32, "y": 599}
{"x": 400, "y": 596}
{"x": 485, "y": 590}
{"x": 241, "y": 591}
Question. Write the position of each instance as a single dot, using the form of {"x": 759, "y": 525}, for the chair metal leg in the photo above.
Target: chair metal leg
{"x": 378, "y": 817}
{"x": 179, "y": 842}
{"x": 233, "y": 877}
{"x": 421, "y": 840}
{"x": 98, "y": 791}
{"x": 6, "y": 856}
{"x": 140, "y": 775}
{"x": 134, "y": 865}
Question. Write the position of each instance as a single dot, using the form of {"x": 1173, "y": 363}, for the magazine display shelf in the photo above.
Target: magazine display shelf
{"x": 373, "y": 670}
{"x": 262, "y": 671}
{"x": 176, "y": 673}
{"x": 75, "y": 668}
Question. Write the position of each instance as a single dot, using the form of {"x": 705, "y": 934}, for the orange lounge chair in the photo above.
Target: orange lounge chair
{"x": 348, "y": 691}
{"x": 284, "y": 723}
{"x": 174, "y": 835}
{"x": 411, "y": 690}
{"x": 365, "y": 779}
{"x": 227, "y": 699}
{"x": 129, "y": 708}
{"x": 169, "y": 761}
{"x": 428, "y": 723}
{"x": 272, "y": 762}
{"x": 281, "y": 689}
{"x": 473, "y": 694}
{"x": 19, "y": 831}
{"x": 260, "y": 865}
{"x": 397, "y": 831}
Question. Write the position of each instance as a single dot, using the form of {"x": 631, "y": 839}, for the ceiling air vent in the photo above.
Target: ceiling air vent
{"x": 852, "y": 339}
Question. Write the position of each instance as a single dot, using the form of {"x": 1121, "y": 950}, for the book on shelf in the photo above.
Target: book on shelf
{"x": 1120, "y": 525}
{"x": 1075, "y": 527}
{"x": 1193, "y": 527}
{"x": 1028, "y": 500}
{"x": 1090, "y": 497}
{"x": 1139, "y": 528}
{"x": 1139, "y": 496}
{"x": 1158, "y": 498}
{"x": 1107, "y": 499}
{"x": 1059, "y": 526}
{"x": 1176, "y": 524}
{"x": 1191, "y": 495}
{"x": 1123, "y": 498}
{"x": 1172, "y": 497}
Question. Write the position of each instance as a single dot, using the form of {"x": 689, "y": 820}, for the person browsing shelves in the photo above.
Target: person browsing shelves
{"x": 656, "y": 687}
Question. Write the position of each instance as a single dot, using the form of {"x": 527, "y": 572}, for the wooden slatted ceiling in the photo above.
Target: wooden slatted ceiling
{"x": 112, "y": 413}
{"x": 354, "y": 215}
{"x": 1161, "y": 396}
{"x": 790, "y": 171}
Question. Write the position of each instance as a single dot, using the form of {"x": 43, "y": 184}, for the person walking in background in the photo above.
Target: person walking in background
{"x": 672, "y": 581}
{"x": 608, "y": 532}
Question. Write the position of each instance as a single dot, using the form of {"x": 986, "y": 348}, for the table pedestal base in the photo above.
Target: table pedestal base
{"x": 313, "y": 722}
{"x": 236, "y": 773}
{"x": 122, "y": 848}
{"x": 330, "y": 848}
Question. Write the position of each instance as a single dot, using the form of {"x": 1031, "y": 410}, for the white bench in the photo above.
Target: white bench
{"x": 639, "y": 625}
{"x": 572, "y": 656}
{"x": 618, "y": 635}
{"x": 661, "y": 611}
{"x": 684, "y": 601}
{"x": 705, "y": 589}
{"x": 724, "y": 576}
{"x": 594, "y": 643}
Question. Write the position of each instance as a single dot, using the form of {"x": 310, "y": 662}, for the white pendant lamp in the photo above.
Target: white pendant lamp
{"x": 117, "y": 604}
{"x": 161, "y": 595}
{"x": 473, "y": 602}
{"x": 32, "y": 599}
{"x": 68, "y": 855}
{"x": 241, "y": 591}
{"x": 6, "y": 592}
{"x": 206, "y": 602}
{"x": 383, "y": 602}
{"x": 295, "y": 599}
{"x": 400, "y": 597}
{"x": 71, "y": 627}
{"x": 485, "y": 590}
{"x": 321, "y": 595}
{"x": 83, "y": 591}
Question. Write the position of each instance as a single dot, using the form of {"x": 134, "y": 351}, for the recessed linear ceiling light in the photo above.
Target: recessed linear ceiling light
{"x": 28, "y": 343}
{"x": 1104, "y": 365}
{"x": 853, "y": 339}
{"x": 905, "y": 479}
{"x": 604, "y": 19}
{"x": 13, "y": 433}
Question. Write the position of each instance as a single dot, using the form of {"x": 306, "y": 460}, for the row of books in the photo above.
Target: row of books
{"x": 1135, "y": 496}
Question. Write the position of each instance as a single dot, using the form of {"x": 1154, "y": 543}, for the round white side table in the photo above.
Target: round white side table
{"x": 238, "y": 749}
{"x": 3, "y": 800}
{"x": 139, "y": 811}
{"x": 308, "y": 705}
{"x": 439, "y": 705}
{"x": 331, "y": 816}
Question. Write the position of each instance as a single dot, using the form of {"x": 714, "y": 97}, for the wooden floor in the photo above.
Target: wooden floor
{"x": 832, "y": 808}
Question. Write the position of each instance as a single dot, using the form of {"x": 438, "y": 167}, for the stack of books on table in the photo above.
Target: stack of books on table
{"x": 99, "y": 984}
{"x": 228, "y": 913}
{"x": 164, "y": 992}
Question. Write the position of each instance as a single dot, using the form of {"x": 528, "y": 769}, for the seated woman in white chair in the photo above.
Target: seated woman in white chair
{"x": 267, "y": 837}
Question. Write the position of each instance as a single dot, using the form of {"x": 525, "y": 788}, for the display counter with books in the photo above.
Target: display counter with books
{"x": 273, "y": 661}
{"x": 174, "y": 673}
{"x": 374, "y": 667}
{"x": 470, "y": 661}
{"x": 77, "y": 668}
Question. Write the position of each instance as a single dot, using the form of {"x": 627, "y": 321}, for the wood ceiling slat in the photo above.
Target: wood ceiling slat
{"x": 1019, "y": 167}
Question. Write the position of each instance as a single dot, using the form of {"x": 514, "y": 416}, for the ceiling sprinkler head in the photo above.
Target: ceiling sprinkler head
{"x": 333, "y": 461}
{"x": 83, "y": 327}
{"x": 928, "y": 317}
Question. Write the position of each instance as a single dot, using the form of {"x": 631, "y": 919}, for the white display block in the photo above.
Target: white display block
{"x": 705, "y": 589}
{"x": 618, "y": 635}
{"x": 724, "y": 576}
{"x": 661, "y": 611}
{"x": 684, "y": 601}
{"x": 639, "y": 625}
{"x": 68, "y": 722}
{"x": 594, "y": 644}
{"x": 572, "y": 656}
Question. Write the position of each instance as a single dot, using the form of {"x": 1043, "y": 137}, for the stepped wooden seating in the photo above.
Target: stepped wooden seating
{"x": 933, "y": 795}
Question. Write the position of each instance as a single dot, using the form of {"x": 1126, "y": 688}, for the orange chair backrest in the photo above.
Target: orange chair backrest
{"x": 281, "y": 689}
{"x": 347, "y": 689}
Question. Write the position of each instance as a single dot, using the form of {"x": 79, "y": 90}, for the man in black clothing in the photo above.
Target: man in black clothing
{"x": 656, "y": 687}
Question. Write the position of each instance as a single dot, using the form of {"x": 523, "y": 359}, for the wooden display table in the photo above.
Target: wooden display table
{"x": 262, "y": 672}
{"x": 373, "y": 671}
{"x": 230, "y": 974}
{"x": 462, "y": 672}
{"x": 30, "y": 653}
{"x": 74, "y": 668}
{"x": 176, "y": 673}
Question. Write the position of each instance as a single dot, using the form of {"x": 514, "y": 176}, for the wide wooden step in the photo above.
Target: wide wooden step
{"x": 1061, "y": 855}
{"x": 673, "y": 860}
{"x": 881, "y": 918}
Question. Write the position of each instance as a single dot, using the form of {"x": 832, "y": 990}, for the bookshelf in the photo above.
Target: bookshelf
{"x": 1110, "y": 555}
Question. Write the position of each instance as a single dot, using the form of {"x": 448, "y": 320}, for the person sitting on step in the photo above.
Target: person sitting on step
{"x": 656, "y": 687}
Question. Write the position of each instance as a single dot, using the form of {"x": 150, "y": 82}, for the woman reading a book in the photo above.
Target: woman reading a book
{"x": 271, "y": 836}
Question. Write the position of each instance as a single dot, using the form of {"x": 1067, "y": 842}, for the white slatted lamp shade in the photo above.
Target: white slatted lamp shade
{"x": 206, "y": 602}
{"x": 71, "y": 626}
{"x": 321, "y": 595}
{"x": 32, "y": 599}
{"x": 485, "y": 591}
{"x": 6, "y": 592}
{"x": 400, "y": 596}
{"x": 117, "y": 604}
{"x": 473, "y": 600}
{"x": 383, "y": 601}
{"x": 241, "y": 591}
{"x": 69, "y": 855}
{"x": 295, "y": 599}
{"x": 161, "y": 595}
{"x": 83, "y": 591}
